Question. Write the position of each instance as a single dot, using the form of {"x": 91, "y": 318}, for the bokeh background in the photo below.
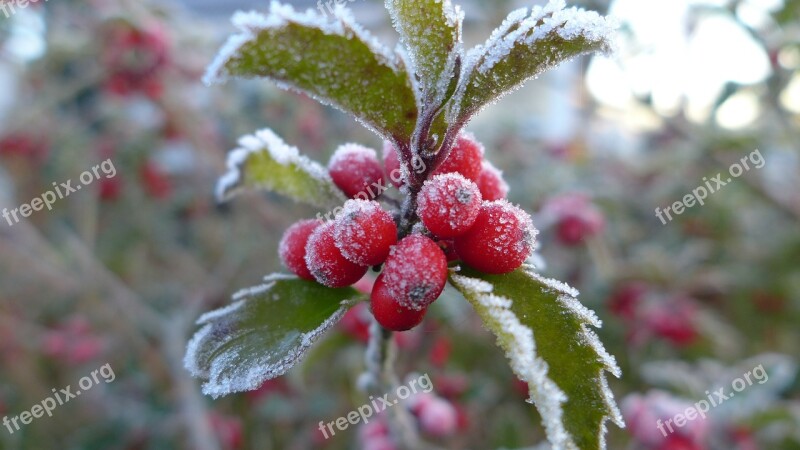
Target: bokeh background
{"x": 118, "y": 272}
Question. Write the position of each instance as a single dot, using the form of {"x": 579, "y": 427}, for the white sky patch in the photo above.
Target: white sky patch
{"x": 679, "y": 71}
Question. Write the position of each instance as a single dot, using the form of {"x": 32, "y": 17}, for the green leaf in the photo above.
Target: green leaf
{"x": 334, "y": 61}
{"x": 265, "y": 332}
{"x": 264, "y": 161}
{"x": 431, "y": 32}
{"x": 545, "y": 333}
{"x": 524, "y": 46}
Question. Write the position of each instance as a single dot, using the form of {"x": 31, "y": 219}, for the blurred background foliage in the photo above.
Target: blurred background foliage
{"x": 119, "y": 272}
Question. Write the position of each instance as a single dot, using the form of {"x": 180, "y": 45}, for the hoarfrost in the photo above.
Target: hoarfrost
{"x": 545, "y": 394}
{"x": 227, "y": 369}
{"x": 433, "y": 71}
{"x": 251, "y": 23}
{"x": 521, "y": 352}
{"x": 524, "y": 27}
{"x": 232, "y": 182}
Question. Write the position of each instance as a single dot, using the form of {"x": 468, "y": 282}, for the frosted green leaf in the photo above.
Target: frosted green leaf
{"x": 524, "y": 46}
{"x": 431, "y": 33}
{"x": 264, "y": 161}
{"x": 332, "y": 60}
{"x": 545, "y": 332}
{"x": 265, "y": 332}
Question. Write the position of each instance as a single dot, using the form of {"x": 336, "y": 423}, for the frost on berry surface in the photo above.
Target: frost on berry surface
{"x": 364, "y": 232}
{"x": 491, "y": 182}
{"x": 501, "y": 239}
{"x": 389, "y": 312}
{"x": 449, "y": 204}
{"x": 264, "y": 161}
{"x": 325, "y": 58}
{"x": 263, "y": 333}
{"x": 325, "y": 261}
{"x": 356, "y": 171}
{"x": 415, "y": 272}
{"x": 545, "y": 332}
{"x": 292, "y": 248}
{"x": 526, "y": 44}
{"x": 465, "y": 158}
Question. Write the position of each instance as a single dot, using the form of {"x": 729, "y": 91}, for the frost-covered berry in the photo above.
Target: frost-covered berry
{"x": 292, "y": 248}
{"x": 325, "y": 261}
{"x": 389, "y": 312}
{"x": 364, "y": 232}
{"x": 491, "y": 183}
{"x": 465, "y": 158}
{"x": 415, "y": 272}
{"x": 500, "y": 241}
{"x": 449, "y": 205}
{"x": 356, "y": 171}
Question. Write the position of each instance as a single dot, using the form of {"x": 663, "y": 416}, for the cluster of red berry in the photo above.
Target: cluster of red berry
{"x": 461, "y": 207}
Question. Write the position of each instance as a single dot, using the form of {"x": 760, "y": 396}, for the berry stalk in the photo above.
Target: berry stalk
{"x": 432, "y": 161}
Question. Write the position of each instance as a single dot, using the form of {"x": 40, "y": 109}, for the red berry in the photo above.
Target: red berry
{"x": 110, "y": 189}
{"x": 437, "y": 417}
{"x": 364, "y": 232}
{"x": 500, "y": 241}
{"x": 626, "y": 299}
{"x": 465, "y": 158}
{"x": 156, "y": 182}
{"x": 292, "y": 248}
{"x": 449, "y": 251}
{"x": 449, "y": 205}
{"x": 575, "y": 216}
{"x": 389, "y": 312}
{"x": 491, "y": 183}
{"x": 571, "y": 230}
{"x": 391, "y": 164}
{"x": 675, "y": 322}
{"x": 415, "y": 272}
{"x": 355, "y": 323}
{"x": 325, "y": 261}
{"x": 354, "y": 169}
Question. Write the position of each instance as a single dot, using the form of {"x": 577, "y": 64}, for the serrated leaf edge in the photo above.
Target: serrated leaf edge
{"x": 216, "y": 386}
{"x": 555, "y": 17}
{"x": 544, "y": 392}
{"x": 250, "y": 23}
{"x": 231, "y": 183}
